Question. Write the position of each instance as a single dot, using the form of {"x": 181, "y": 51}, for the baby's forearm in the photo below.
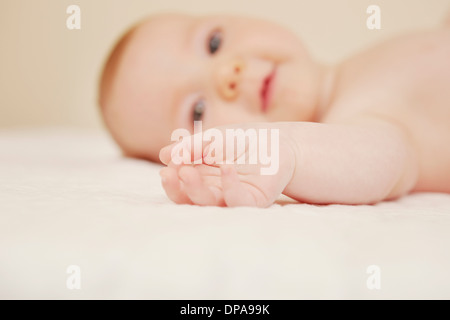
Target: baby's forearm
{"x": 349, "y": 164}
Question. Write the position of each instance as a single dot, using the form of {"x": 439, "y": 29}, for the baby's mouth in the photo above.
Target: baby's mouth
{"x": 266, "y": 91}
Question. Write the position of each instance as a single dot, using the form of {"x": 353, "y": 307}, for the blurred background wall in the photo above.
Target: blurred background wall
{"x": 49, "y": 74}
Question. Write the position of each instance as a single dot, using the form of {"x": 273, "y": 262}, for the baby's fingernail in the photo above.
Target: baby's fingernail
{"x": 163, "y": 176}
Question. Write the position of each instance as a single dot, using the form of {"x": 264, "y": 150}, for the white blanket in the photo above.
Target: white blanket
{"x": 67, "y": 198}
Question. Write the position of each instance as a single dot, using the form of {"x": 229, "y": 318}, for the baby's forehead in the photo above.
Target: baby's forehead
{"x": 157, "y": 46}
{"x": 158, "y": 35}
{"x": 163, "y": 23}
{"x": 144, "y": 96}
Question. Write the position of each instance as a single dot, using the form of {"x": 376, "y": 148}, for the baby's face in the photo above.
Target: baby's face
{"x": 218, "y": 69}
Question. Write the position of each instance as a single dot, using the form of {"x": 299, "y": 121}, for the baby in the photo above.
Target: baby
{"x": 372, "y": 128}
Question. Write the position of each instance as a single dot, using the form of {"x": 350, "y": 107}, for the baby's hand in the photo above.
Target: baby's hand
{"x": 254, "y": 173}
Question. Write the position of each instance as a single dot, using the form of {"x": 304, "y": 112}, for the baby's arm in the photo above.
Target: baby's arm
{"x": 360, "y": 163}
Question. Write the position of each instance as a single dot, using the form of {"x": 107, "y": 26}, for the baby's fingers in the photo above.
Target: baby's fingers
{"x": 197, "y": 191}
{"x": 165, "y": 153}
{"x": 173, "y": 186}
{"x": 187, "y": 151}
{"x": 238, "y": 194}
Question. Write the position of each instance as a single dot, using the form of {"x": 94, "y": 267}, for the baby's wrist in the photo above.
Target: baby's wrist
{"x": 287, "y": 153}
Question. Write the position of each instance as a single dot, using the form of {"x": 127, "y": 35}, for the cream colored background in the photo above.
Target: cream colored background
{"x": 49, "y": 74}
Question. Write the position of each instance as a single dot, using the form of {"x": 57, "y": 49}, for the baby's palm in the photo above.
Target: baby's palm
{"x": 223, "y": 184}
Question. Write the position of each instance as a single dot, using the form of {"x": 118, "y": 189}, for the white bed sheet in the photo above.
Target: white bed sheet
{"x": 67, "y": 197}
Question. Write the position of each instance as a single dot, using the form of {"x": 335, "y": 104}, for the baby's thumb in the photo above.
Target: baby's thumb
{"x": 165, "y": 154}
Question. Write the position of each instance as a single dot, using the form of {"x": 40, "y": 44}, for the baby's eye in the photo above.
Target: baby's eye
{"x": 199, "y": 109}
{"x": 214, "y": 42}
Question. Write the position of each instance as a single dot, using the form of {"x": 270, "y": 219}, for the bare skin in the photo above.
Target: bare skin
{"x": 380, "y": 129}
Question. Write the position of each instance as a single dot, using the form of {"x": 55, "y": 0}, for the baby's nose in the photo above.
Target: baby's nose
{"x": 228, "y": 78}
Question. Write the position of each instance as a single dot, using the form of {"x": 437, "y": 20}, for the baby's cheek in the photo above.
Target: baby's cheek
{"x": 233, "y": 115}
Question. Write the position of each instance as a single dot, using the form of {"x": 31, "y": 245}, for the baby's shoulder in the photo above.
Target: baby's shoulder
{"x": 405, "y": 56}
{"x": 409, "y": 72}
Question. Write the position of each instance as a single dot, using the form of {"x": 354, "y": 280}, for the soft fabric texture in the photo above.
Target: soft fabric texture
{"x": 67, "y": 197}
